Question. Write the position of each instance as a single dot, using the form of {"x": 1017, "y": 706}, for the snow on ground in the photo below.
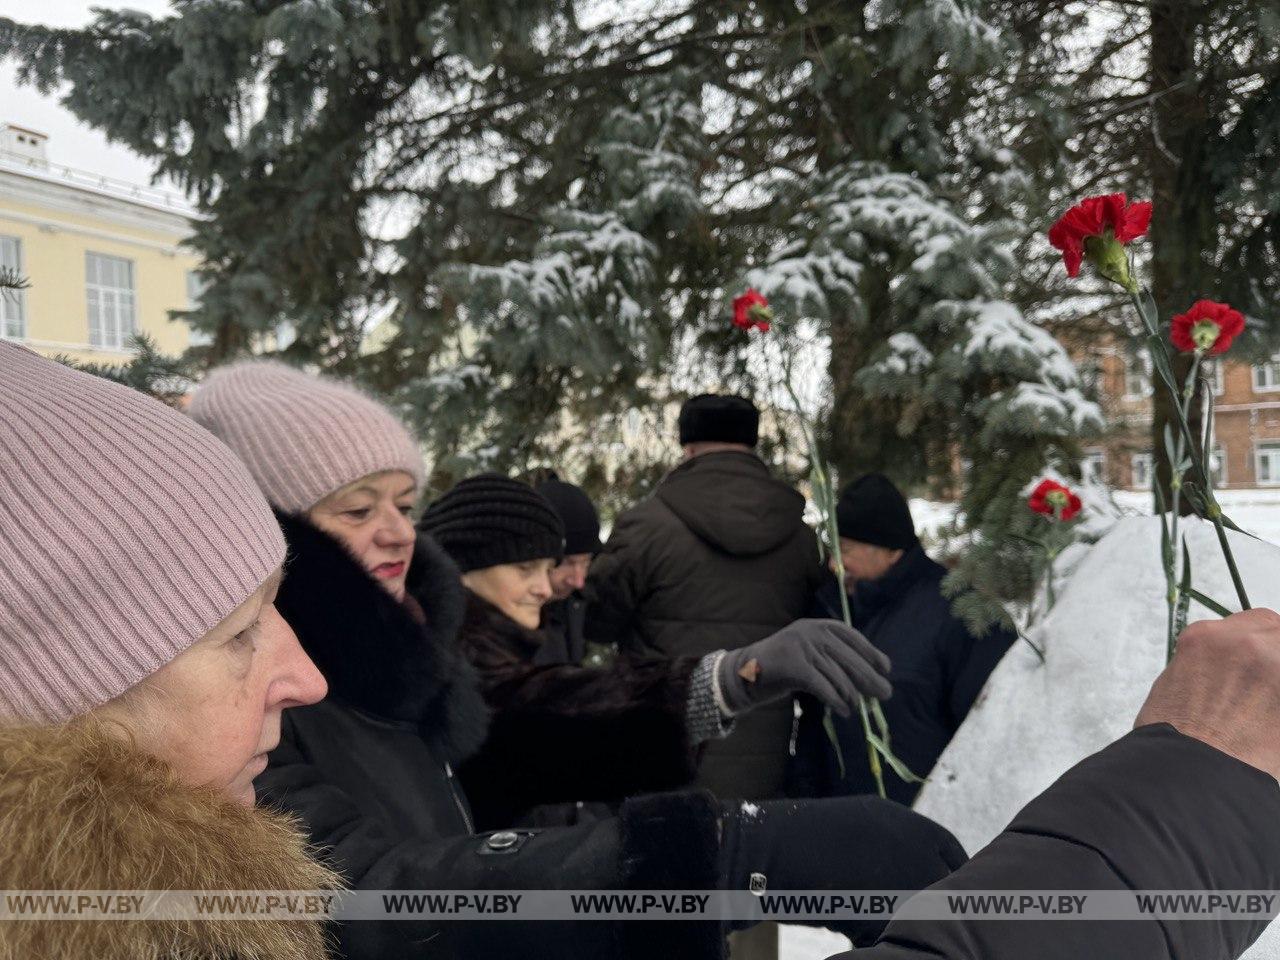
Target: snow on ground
{"x": 809, "y": 943}
{"x": 1104, "y": 643}
{"x": 1258, "y": 511}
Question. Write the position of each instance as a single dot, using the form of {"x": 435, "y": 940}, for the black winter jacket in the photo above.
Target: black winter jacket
{"x": 563, "y": 626}
{"x": 564, "y": 733}
{"x": 368, "y": 771}
{"x": 718, "y": 557}
{"x": 1154, "y": 811}
{"x": 939, "y": 668}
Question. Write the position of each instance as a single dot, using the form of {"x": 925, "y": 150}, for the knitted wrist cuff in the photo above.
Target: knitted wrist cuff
{"x": 705, "y": 714}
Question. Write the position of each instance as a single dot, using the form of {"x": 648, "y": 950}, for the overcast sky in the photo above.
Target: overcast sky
{"x": 70, "y": 141}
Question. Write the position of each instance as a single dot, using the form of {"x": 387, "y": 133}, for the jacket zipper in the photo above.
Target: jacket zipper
{"x": 462, "y": 807}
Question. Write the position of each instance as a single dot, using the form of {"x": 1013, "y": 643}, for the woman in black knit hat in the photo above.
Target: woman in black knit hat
{"x": 569, "y": 733}
{"x": 505, "y": 537}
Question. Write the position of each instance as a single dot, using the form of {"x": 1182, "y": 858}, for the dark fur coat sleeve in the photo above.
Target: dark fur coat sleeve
{"x": 563, "y": 733}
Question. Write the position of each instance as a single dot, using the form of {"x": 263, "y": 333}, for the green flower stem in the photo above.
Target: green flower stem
{"x": 824, "y": 495}
{"x": 1160, "y": 360}
{"x": 1208, "y": 602}
{"x": 1174, "y": 591}
{"x": 1038, "y": 652}
{"x": 1167, "y": 563}
{"x": 1049, "y": 598}
{"x": 1215, "y": 514}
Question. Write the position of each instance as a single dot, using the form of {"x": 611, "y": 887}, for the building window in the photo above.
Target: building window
{"x": 1218, "y": 465}
{"x": 1137, "y": 377}
{"x": 1092, "y": 465}
{"x": 1090, "y": 369}
{"x": 13, "y": 303}
{"x": 112, "y": 306}
{"x": 1266, "y": 376}
{"x": 1140, "y": 466}
{"x": 1266, "y": 461}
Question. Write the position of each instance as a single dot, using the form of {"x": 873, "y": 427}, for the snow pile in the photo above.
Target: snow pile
{"x": 1104, "y": 644}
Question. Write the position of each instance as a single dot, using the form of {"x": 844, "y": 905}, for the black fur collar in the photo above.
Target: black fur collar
{"x": 376, "y": 656}
{"x": 491, "y": 639}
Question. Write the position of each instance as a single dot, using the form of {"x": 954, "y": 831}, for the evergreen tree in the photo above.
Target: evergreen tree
{"x": 1171, "y": 100}
{"x": 520, "y": 219}
{"x": 148, "y": 371}
{"x": 12, "y": 281}
{"x": 955, "y": 369}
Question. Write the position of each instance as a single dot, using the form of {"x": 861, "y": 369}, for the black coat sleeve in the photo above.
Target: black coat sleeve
{"x": 567, "y": 733}
{"x": 632, "y": 851}
{"x": 970, "y": 660}
{"x": 617, "y": 584}
{"x": 1156, "y": 810}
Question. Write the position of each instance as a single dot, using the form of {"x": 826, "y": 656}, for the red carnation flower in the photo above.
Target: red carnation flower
{"x": 1111, "y": 219}
{"x": 1208, "y": 327}
{"x": 1054, "y": 500}
{"x": 751, "y": 310}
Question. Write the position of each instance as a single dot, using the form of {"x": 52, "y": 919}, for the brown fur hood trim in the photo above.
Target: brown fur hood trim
{"x": 81, "y": 810}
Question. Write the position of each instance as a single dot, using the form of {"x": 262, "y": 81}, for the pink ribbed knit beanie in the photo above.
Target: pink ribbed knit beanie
{"x": 302, "y": 436}
{"x": 126, "y": 533}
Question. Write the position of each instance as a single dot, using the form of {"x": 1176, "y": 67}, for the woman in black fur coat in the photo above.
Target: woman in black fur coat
{"x": 563, "y": 732}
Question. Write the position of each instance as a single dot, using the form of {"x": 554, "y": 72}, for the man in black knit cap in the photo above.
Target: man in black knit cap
{"x": 563, "y": 618}
{"x": 939, "y": 666}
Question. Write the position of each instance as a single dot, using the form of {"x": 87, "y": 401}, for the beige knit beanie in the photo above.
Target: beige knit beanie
{"x": 127, "y": 532}
{"x": 302, "y": 436}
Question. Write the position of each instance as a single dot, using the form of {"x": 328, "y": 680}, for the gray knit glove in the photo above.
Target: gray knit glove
{"x": 825, "y": 658}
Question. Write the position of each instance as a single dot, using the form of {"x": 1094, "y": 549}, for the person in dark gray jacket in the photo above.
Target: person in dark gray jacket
{"x": 717, "y": 558}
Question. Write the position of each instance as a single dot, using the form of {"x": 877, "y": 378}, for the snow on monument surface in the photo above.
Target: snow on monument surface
{"x": 1104, "y": 644}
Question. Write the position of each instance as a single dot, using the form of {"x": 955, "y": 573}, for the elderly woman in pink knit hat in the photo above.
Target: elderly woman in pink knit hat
{"x": 143, "y": 669}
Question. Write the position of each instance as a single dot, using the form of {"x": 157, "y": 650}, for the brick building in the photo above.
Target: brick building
{"x": 1246, "y": 449}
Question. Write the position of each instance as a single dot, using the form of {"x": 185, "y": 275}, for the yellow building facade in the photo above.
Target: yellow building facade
{"x": 105, "y": 259}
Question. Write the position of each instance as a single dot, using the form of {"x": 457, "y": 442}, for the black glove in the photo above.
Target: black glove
{"x": 833, "y": 662}
{"x": 836, "y": 843}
